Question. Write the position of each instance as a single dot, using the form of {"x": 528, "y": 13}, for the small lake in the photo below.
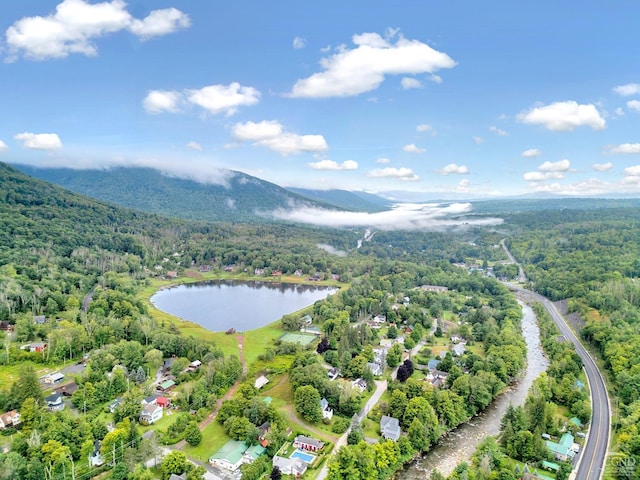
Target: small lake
{"x": 219, "y": 305}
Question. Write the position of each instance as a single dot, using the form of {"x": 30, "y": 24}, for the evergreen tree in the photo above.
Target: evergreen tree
{"x": 26, "y": 386}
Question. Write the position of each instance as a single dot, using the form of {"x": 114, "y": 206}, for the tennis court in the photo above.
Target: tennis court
{"x": 299, "y": 338}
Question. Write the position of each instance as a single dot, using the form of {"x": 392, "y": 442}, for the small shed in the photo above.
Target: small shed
{"x": 260, "y": 382}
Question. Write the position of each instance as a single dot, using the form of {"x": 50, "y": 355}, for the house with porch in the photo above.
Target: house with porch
{"x": 150, "y": 414}
{"x": 308, "y": 443}
{"x": 9, "y": 419}
{"x": 290, "y": 466}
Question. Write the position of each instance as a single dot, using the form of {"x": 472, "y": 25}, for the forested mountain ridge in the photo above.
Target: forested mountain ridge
{"x": 237, "y": 198}
{"x": 359, "y": 201}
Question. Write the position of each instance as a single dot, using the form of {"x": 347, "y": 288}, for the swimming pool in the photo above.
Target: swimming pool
{"x": 304, "y": 456}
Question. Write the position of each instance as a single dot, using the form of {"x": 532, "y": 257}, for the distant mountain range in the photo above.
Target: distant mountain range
{"x": 241, "y": 197}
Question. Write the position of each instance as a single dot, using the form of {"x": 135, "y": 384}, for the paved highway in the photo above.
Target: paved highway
{"x": 594, "y": 452}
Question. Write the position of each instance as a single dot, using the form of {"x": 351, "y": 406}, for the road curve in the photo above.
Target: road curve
{"x": 594, "y": 453}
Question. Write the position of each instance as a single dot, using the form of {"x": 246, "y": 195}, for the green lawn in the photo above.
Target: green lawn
{"x": 279, "y": 389}
{"x": 213, "y": 438}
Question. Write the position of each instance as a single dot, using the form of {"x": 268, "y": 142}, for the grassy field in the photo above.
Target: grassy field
{"x": 213, "y": 438}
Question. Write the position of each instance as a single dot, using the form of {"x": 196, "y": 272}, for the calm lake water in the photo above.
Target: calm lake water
{"x": 219, "y": 305}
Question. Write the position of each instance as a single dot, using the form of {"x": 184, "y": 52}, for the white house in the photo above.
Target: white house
{"x": 151, "y": 413}
{"x": 260, "y": 382}
{"x": 327, "y": 411}
{"x": 375, "y": 368}
{"x": 290, "y": 466}
{"x": 9, "y": 419}
{"x": 54, "y": 402}
{"x": 360, "y": 384}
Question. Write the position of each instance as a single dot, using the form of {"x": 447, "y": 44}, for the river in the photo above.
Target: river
{"x": 458, "y": 445}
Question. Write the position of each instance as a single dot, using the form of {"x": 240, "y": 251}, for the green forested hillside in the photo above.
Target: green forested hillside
{"x": 345, "y": 199}
{"x": 242, "y": 198}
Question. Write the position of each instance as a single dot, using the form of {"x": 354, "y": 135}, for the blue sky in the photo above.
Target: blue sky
{"x": 460, "y": 97}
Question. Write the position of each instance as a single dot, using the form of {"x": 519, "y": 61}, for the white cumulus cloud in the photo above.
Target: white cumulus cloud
{"x": 624, "y": 148}
{"x": 602, "y": 167}
{"x": 3, "y": 146}
{"x": 452, "y": 168}
{"x": 401, "y": 173}
{"x": 498, "y": 131}
{"x": 158, "y": 101}
{"x": 559, "y": 166}
{"x": 333, "y": 165}
{"x": 299, "y": 43}
{"x": 76, "y": 24}
{"x": 634, "y": 105}
{"x": 223, "y": 98}
{"x": 194, "y": 146}
{"x": 271, "y": 134}
{"x": 383, "y": 161}
{"x": 548, "y": 171}
{"x": 39, "y": 141}
{"x": 413, "y": 148}
{"x": 409, "y": 82}
{"x": 214, "y": 99}
{"x": 531, "y": 153}
{"x": 628, "y": 89}
{"x": 563, "y": 116}
{"x": 361, "y": 69}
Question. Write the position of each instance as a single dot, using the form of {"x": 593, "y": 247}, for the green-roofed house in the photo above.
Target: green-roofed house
{"x": 166, "y": 386}
{"x": 563, "y": 449}
{"x": 230, "y": 455}
{"x": 252, "y": 453}
{"x": 576, "y": 421}
{"x": 234, "y": 453}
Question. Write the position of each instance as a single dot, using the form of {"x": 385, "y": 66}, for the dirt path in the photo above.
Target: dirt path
{"x": 211, "y": 417}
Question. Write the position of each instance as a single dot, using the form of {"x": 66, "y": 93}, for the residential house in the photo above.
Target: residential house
{"x": 458, "y": 349}
{"x": 166, "y": 386}
{"x": 54, "y": 378}
{"x": 308, "y": 443}
{"x": 333, "y": 373}
{"x": 390, "y": 428}
{"x": 276, "y": 273}
{"x": 433, "y": 364}
{"x": 290, "y": 466}
{"x": 434, "y": 288}
{"x": 229, "y": 456}
{"x": 360, "y": 384}
{"x": 5, "y": 326}
{"x": 9, "y": 419}
{"x": 178, "y": 477}
{"x": 327, "y": 411}
{"x": 150, "y": 414}
{"x": 229, "y": 268}
{"x": 307, "y": 320}
{"x": 260, "y": 382}
{"x": 379, "y": 319}
{"x": 150, "y": 400}
{"x": 40, "y": 319}
{"x": 386, "y": 342}
{"x": 205, "y": 268}
{"x": 437, "y": 378}
{"x": 172, "y": 274}
{"x": 54, "y": 402}
{"x": 264, "y": 429}
{"x": 96, "y": 459}
{"x": 258, "y": 272}
{"x": 166, "y": 365}
{"x": 564, "y": 449}
{"x": 252, "y": 453}
{"x": 34, "y": 347}
{"x": 163, "y": 402}
{"x": 298, "y": 273}
{"x": 114, "y": 404}
{"x": 193, "y": 366}
{"x": 375, "y": 368}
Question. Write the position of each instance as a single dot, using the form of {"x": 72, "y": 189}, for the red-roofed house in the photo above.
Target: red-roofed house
{"x": 163, "y": 402}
